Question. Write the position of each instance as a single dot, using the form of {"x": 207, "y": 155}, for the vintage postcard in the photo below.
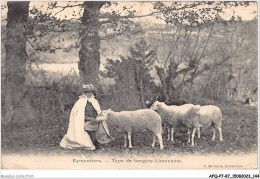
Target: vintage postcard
{"x": 129, "y": 85}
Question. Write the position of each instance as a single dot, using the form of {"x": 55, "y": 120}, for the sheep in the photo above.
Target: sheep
{"x": 128, "y": 121}
{"x": 172, "y": 116}
{"x": 206, "y": 115}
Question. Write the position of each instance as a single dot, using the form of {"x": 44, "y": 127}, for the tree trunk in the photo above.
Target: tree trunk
{"x": 142, "y": 87}
{"x": 169, "y": 87}
{"x": 172, "y": 69}
{"x": 163, "y": 93}
{"x": 17, "y": 106}
{"x": 89, "y": 54}
{"x": 219, "y": 86}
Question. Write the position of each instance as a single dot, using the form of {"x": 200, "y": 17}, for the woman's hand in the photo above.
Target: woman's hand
{"x": 91, "y": 119}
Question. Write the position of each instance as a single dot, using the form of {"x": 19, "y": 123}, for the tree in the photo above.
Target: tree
{"x": 46, "y": 26}
{"x": 133, "y": 72}
{"x": 89, "y": 54}
{"x": 17, "y": 104}
{"x": 187, "y": 53}
{"x": 43, "y": 29}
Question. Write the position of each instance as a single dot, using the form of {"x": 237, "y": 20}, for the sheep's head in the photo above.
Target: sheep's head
{"x": 103, "y": 115}
{"x": 149, "y": 103}
{"x": 156, "y": 105}
{"x": 193, "y": 111}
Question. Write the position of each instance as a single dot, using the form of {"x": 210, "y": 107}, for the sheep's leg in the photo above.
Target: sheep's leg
{"x": 169, "y": 135}
{"x": 192, "y": 136}
{"x": 198, "y": 132}
{"x": 220, "y": 133}
{"x": 130, "y": 140}
{"x": 160, "y": 140}
{"x": 125, "y": 140}
{"x": 213, "y": 128}
{"x": 154, "y": 140}
{"x": 172, "y": 131}
{"x": 214, "y": 134}
{"x": 188, "y": 135}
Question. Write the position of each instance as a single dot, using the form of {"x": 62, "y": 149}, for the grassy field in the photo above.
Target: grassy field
{"x": 240, "y": 126}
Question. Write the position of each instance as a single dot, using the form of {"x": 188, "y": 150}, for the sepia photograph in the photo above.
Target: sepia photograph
{"x": 129, "y": 85}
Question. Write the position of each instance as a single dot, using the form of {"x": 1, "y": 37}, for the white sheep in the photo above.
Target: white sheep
{"x": 128, "y": 121}
{"x": 172, "y": 116}
{"x": 206, "y": 115}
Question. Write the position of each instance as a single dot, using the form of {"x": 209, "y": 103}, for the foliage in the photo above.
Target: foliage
{"x": 195, "y": 14}
{"x": 195, "y": 37}
{"x": 133, "y": 72}
{"x": 194, "y": 43}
